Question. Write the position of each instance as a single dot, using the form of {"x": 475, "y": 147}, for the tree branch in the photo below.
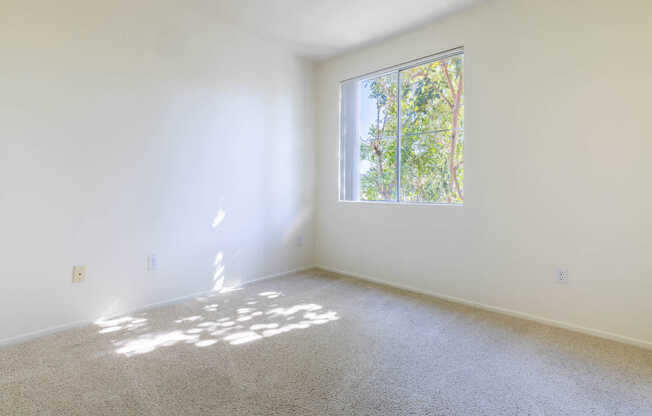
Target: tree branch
{"x": 455, "y": 120}
{"x": 450, "y": 84}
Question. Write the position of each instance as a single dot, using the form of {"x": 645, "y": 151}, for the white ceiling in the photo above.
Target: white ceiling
{"x": 323, "y": 28}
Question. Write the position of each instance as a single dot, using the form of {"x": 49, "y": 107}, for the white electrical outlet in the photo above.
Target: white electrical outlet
{"x": 562, "y": 275}
{"x": 152, "y": 263}
{"x": 300, "y": 241}
{"x": 78, "y": 274}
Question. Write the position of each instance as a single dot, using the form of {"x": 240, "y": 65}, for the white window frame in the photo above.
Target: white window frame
{"x": 395, "y": 69}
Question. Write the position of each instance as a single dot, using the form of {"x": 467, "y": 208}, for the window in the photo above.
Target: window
{"x": 402, "y": 133}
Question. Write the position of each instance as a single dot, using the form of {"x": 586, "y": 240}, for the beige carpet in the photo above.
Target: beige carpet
{"x": 319, "y": 344}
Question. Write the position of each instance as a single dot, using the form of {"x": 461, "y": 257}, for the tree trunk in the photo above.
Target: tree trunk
{"x": 381, "y": 184}
{"x": 457, "y": 102}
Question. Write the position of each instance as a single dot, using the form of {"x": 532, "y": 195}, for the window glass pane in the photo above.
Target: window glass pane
{"x": 432, "y": 132}
{"x": 368, "y": 131}
{"x": 377, "y": 130}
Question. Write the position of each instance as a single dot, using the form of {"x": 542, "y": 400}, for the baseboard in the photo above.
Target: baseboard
{"x": 271, "y": 276}
{"x": 17, "y": 339}
{"x": 551, "y": 322}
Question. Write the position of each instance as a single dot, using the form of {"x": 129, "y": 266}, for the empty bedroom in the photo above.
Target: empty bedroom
{"x": 325, "y": 207}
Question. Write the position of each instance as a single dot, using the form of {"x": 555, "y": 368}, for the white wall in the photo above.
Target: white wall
{"x": 124, "y": 128}
{"x": 558, "y": 163}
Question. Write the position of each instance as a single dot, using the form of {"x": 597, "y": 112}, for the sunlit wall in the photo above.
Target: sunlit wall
{"x": 137, "y": 128}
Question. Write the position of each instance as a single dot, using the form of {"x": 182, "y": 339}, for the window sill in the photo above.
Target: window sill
{"x": 395, "y": 203}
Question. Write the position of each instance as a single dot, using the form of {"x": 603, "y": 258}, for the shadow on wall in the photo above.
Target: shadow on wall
{"x": 221, "y": 318}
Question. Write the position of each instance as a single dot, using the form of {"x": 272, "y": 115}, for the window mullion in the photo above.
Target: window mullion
{"x": 398, "y": 136}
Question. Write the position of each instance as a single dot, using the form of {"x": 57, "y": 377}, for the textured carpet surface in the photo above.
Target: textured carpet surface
{"x": 316, "y": 343}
